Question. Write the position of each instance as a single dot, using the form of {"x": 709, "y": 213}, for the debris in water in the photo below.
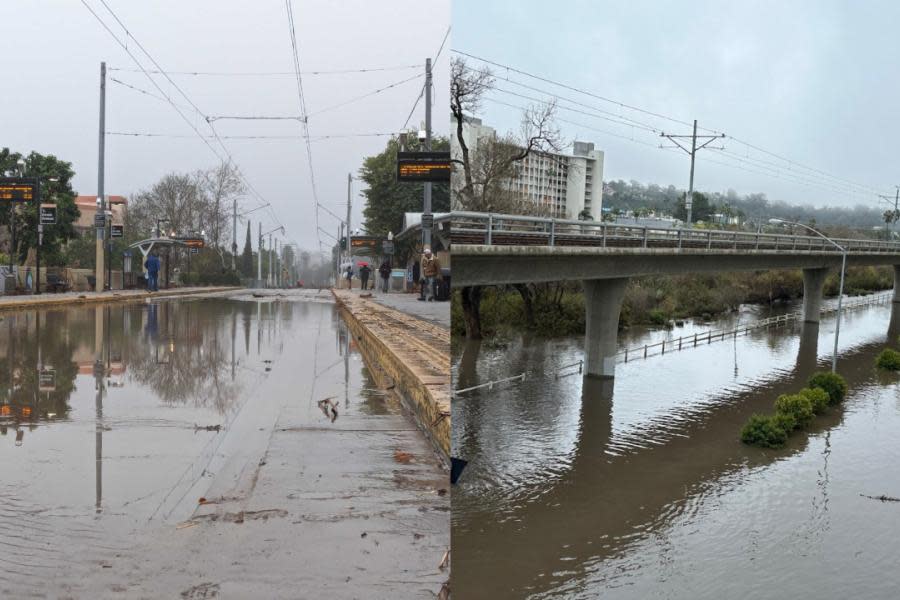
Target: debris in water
{"x": 327, "y": 405}
{"x": 444, "y": 594}
{"x": 364, "y": 534}
{"x": 444, "y": 561}
{"x": 185, "y": 524}
{"x": 402, "y": 457}
{"x": 442, "y": 492}
{"x": 207, "y": 427}
{"x": 882, "y": 497}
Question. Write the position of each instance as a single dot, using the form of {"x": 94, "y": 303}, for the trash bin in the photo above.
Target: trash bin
{"x": 443, "y": 287}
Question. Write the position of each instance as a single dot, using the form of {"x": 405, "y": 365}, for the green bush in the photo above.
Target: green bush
{"x": 764, "y": 431}
{"x": 833, "y": 384}
{"x": 817, "y": 397}
{"x": 888, "y": 360}
{"x": 211, "y": 278}
{"x": 657, "y": 317}
{"x": 785, "y": 420}
{"x": 797, "y": 406}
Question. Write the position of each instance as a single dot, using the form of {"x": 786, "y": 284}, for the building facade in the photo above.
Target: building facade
{"x": 565, "y": 184}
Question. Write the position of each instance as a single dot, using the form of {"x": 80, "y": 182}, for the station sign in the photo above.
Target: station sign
{"x": 195, "y": 250}
{"x": 47, "y": 214}
{"x": 427, "y": 221}
{"x": 18, "y": 189}
{"x": 47, "y": 379}
{"x": 116, "y": 231}
{"x": 387, "y": 246}
{"x": 191, "y": 242}
{"x": 99, "y": 220}
{"x": 368, "y": 242}
{"x": 423, "y": 166}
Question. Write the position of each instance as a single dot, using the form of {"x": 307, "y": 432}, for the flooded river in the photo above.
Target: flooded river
{"x": 204, "y": 447}
{"x": 642, "y": 489}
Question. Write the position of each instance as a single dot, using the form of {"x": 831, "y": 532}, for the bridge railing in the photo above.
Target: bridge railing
{"x": 499, "y": 230}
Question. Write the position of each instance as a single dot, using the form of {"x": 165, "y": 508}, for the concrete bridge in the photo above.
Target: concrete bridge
{"x": 491, "y": 249}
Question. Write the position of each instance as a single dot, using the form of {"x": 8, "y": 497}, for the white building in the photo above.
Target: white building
{"x": 565, "y": 183}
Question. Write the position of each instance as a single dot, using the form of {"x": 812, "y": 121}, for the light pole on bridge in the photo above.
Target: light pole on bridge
{"x": 837, "y": 327}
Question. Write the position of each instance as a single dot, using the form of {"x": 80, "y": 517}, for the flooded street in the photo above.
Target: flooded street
{"x": 582, "y": 489}
{"x": 209, "y": 447}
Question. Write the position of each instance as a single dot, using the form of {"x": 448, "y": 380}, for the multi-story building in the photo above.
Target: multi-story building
{"x": 87, "y": 205}
{"x": 565, "y": 184}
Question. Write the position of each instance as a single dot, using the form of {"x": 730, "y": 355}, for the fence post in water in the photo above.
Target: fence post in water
{"x": 695, "y": 340}
{"x": 645, "y": 350}
{"x": 664, "y": 346}
{"x": 626, "y": 354}
{"x": 679, "y": 343}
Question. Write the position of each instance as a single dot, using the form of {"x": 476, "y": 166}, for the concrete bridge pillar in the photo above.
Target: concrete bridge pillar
{"x": 603, "y": 303}
{"x": 813, "y": 284}
{"x": 896, "y": 283}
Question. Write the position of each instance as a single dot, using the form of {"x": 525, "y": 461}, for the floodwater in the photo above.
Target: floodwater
{"x": 209, "y": 447}
{"x": 641, "y": 488}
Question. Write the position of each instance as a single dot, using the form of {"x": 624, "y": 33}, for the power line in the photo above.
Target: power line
{"x": 444, "y": 41}
{"x": 270, "y": 73}
{"x": 303, "y": 111}
{"x": 367, "y": 95}
{"x": 169, "y": 100}
{"x": 317, "y": 138}
{"x": 790, "y": 162}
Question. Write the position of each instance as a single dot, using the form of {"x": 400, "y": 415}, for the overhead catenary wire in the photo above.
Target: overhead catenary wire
{"x": 270, "y": 73}
{"x": 790, "y": 164}
{"x": 230, "y": 159}
{"x": 367, "y": 95}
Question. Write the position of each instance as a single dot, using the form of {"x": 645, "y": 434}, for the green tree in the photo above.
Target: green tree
{"x": 387, "y": 199}
{"x": 702, "y": 210}
{"x": 247, "y": 256}
{"x": 55, "y": 178}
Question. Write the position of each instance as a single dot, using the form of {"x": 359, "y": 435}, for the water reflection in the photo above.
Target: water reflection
{"x": 538, "y": 513}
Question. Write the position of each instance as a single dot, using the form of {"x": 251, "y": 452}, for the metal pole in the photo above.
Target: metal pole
{"x": 349, "y": 202}
{"x": 426, "y": 204}
{"x": 259, "y": 251}
{"x": 837, "y": 326}
{"x": 269, "y": 266}
{"x": 37, "y": 250}
{"x": 689, "y": 205}
{"x": 99, "y": 273}
{"x": 234, "y": 233}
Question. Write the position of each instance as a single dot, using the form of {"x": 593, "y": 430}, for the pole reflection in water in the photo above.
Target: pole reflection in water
{"x": 580, "y": 489}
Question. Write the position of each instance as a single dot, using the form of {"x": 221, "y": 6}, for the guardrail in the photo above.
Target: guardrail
{"x": 708, "y": 337}
{"x": 503, "y": 230}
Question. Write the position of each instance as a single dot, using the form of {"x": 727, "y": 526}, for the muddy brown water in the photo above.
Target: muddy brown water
{"x": 209, "y": 447}
{"x": 640, "y": 488}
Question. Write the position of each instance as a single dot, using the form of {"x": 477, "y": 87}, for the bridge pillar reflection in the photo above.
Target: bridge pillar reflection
{"x": 813, "y": 284}
{"x": 602, "y": 303}
{"x": 808, "y": 352}
{"x": 896, "y": 283}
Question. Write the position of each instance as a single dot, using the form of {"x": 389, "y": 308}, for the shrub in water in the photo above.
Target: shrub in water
{"x": 797, "y": 406}
{"x": 786, "y": 421}
{"x": 764, "y": 431}
{"x": 817, "y": 397}
{"x": 832, "y": 383}
{"x": 889, "y": 360}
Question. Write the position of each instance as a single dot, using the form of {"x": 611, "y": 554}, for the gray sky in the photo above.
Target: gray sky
{"x": 51, "y": 63}
{"x": 811, "y": 81}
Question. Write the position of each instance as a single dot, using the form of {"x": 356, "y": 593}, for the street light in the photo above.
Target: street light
{"x": 837, "y": 327}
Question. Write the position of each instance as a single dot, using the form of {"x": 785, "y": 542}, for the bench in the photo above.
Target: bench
{"x": 55, "y": 283}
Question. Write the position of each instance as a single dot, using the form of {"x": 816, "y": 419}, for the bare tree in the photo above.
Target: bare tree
{"x": 220, "y": 186}
{"x": 489, "y": 170}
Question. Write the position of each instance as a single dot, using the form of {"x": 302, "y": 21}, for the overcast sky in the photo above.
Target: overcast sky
{"x": 51, "y": 64}
{"x": 811, "y": 81}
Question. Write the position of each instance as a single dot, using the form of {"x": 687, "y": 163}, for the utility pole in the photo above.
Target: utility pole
{"x": 426, "y": 204}
{"x": 99, "y": 272}
{"x": 233, "y": 233}
{"x": 895, "y": 215}
{"x": 269, "y": 270}
{"x": 689, "y": 201}
{"x": 340, "y": 256}
{"x": 259, "y": 251}
{"x": 349, "y": 202}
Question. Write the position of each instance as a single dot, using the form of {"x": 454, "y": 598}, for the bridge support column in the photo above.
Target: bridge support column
{"x": 602, "y": 303}
{"x": 813, "y": 284}
{"x": 896, "y": 283}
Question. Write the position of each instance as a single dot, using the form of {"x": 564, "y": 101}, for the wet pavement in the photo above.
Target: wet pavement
{"x": 435, "y": 312}
{"x": 640, "y": 488}
{"x": 209, "y": 447}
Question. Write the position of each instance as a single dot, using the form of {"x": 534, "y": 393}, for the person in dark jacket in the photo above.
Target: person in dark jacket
{"x": 385, "y": 271}
{"x": 349, "y": 275}
{"x": 364, "y": 272}
{"x": 152, "y": 266}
